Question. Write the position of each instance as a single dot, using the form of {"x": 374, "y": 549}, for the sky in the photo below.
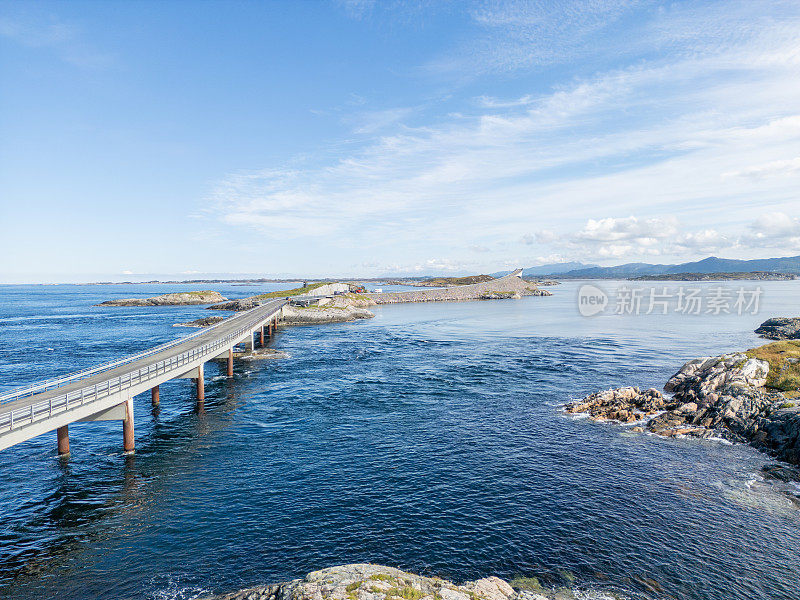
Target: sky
{"x": 358, "y": 138}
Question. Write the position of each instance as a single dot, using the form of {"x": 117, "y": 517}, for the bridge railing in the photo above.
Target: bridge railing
{"x": 56, "y": 382}
{"x": 46, "y": 408}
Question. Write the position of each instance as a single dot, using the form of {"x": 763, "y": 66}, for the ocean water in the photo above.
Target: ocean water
{"x": 429, "y": 438}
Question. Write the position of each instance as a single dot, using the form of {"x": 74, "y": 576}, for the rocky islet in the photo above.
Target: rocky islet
{"x": 723, "y": 397}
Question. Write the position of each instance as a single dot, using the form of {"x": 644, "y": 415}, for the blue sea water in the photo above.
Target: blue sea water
{"x": 429, "y": 438}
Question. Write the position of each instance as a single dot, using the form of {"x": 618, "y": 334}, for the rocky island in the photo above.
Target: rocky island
{"x": 375, "y": 582}
{"x": 174, "y": 299}
{"x": 780, "y": 328}
{"x": 749, "y": 397}
{"x": 509, "y": 286}
{"x": 203, "y": 322}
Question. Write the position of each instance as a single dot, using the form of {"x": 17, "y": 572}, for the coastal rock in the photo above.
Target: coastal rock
{"x": 626, "y": 405}
{"x": 711, "y": 375}
{"x": 375, "y": 582}
{"x": 261, "y": 354}
{"x": 780, "y": 328}
{"x": 204, "y": 322}
{"x": 495, "y": 295}
{"x": 237, "y": 305}
{"x": 176, "y": 299}
{"x": 312, "y": 315}
{"x": 722, "y": 396}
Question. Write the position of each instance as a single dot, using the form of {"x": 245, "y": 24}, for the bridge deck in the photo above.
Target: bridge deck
{"x": 131, "y": 377}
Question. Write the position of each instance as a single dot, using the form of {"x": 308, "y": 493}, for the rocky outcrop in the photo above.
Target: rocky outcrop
{"x": 238, "y": 305}
{"x": 313, "y": 315}
{"x": 496, "y": 295}
{"x": 204, "y": 322}
{"x": 723, "y": 396}
{"x": 626, "y": 405}
{"x": 261, "y": 354}
{"x": 315, "y": 289}
{"x": 495, "y": 288}
{"x": 176, "y": 299}
{"x": 780, "y": 328}
{"x": 328, "y": 289}
{"x": 375, "y": 582}
{"x": 448, "y": 281}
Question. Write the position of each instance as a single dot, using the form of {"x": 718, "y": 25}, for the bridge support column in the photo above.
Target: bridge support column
{"x": 155, "y": 396}
{"x": 230, "y": 362}
{"x": 262, "y": 336}
{"x": 201, "y": 388}
{"x": 127, "y": 427}
{"x": 63, "y": 440}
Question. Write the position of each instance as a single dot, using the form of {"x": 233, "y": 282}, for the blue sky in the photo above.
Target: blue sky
{"x": 361, "y": 138}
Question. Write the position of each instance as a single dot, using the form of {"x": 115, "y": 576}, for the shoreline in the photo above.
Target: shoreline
{"x": 366, "y": 581}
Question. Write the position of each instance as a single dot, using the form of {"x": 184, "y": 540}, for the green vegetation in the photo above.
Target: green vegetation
{"x": 784, "y": 365}
{"x": 381, "y": 577}
{"x": 445, "y": 281}
{"x": 495, "y": 294}
{"x": 199, "y": 293}
{"x": 294, "y": 292}
{"x": 353, "y": 586}
{"x": 526, "y": 583}
{"x": 354, "y": 296}
{"x": 405, "y": 593}
{"x": 567, "y": 576}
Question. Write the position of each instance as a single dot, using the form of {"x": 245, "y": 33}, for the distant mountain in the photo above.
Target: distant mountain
{"x": 712, "y": 264}
{"x": 551, "y": 269}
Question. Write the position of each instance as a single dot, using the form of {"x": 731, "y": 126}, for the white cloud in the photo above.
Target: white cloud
{"x": 640, "y": 231}
{"x": 774, "y": 230}
{"x": 707, "y": 241}
{"x": 545, "y": 236}
{"x": 373, "y": 121}
{"x": 771, "y": 169}
{"x": 615, "y": 250}
{"x": 491, "y": 102}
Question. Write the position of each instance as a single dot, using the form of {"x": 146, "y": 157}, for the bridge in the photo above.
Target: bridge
{"x": 106, "y": 392}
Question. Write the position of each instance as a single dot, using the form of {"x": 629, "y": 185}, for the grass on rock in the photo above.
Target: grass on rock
{"x": 784, "y": 364}
{"x": 293, "y": 292}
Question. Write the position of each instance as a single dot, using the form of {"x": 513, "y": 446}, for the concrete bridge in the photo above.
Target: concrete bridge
{"x": 106, "y": 392}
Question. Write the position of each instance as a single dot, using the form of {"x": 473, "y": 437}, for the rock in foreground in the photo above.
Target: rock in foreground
{"x": 723, "y": 396}
{"x": 374, "y": 582}
{"x": 177, "y": 299}
{"x": 204, "y": 322}
{"x": 780, "y": 328}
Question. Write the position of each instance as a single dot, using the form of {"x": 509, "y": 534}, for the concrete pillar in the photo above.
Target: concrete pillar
{"x": 63, "y": 440}
{"x": 262, "y": 336}
{"x": 230, "y": 362}
{"x": 127, "y": 427}
{"x": 155, "y": 396}
{"x": 201, "y": 386}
